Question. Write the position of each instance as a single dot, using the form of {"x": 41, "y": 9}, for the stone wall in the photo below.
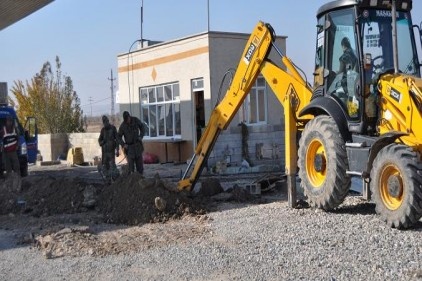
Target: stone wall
{"x": 53, "y": 146}
{"x": 89, "y": 144}
{"x": 56, "y": 146}
{"x": 265, "y": 145}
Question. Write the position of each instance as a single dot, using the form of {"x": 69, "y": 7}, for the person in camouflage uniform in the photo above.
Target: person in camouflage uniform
{"x": 130, "y": 135}
{"x": 109, "y": 148}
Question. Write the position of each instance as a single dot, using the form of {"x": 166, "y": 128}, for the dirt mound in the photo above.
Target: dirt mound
{"x": 131, "y": 200}
{"x": 136, "y": 200}
{"x": 45, "y": 196}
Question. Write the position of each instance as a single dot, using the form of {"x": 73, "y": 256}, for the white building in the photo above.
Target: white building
{"x": 173, "y": 87}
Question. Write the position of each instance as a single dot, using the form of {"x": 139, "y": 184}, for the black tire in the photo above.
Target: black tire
{"x": 322, "y": 161}
{"x": 396, "y": 186}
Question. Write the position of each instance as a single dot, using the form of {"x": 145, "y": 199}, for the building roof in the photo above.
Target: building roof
{"x": 12, "y": 11}
{"x": 209, "y": 33}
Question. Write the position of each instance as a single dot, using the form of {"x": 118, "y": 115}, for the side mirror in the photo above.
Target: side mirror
{"x": 419, "y": 27}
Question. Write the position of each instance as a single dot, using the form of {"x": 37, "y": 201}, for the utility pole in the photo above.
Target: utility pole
{"x": 90, "y": 103}
{"x": 112, "y": 95}
{"x": 208, "y": 15}
{"x": 142, "y": 23}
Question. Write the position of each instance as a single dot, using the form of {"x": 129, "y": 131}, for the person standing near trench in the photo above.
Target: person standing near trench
{"x": 109, "y": 149}
{"x": 130, "y": 135}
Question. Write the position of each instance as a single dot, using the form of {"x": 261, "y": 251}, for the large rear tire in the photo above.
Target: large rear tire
{"x": 396, "y": 185}
{"x": 323, "y": 163}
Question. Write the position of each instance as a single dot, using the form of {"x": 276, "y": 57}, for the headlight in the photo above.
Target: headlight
{"x": 24, "y": 149}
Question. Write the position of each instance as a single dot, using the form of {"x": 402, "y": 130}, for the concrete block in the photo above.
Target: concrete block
{"x": 253, "y": 188}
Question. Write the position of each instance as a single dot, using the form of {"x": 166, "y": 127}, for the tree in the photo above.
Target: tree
{"x": 50, "y": 98}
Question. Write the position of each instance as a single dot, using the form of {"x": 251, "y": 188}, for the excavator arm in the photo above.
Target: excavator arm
{"x": 290, "y": 88}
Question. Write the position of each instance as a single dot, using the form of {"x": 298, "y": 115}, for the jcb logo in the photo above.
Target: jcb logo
{"x": 249, "y": 53}
{"x": 395, "y": 94}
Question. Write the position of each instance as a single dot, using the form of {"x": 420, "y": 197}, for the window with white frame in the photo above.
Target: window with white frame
{"x": 255, "y": 104}
{"x": 160, "y": 110}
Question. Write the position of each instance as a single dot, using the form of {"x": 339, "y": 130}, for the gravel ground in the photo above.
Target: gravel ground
{"x": 246, "y": 242}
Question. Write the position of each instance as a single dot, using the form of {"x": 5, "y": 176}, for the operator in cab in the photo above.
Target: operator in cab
{"x": 347, "y": 60}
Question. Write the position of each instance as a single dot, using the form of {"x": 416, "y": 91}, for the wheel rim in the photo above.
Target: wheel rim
{"x": 316, "y": 163}
{"x": 391, "y": 185}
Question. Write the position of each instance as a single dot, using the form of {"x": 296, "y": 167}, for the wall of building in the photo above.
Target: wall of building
{"x": 177, "y": 61}
{"x": 265, "y": 144}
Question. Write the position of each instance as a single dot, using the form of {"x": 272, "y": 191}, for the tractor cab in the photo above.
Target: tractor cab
{"x": 355, "y": 46}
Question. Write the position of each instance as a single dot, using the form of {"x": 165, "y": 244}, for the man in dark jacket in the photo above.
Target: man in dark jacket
{"x": 130, "y": 135}
{"x": 109, "y": 148}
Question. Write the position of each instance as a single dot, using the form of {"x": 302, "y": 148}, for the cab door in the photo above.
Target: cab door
{"x": 31, "y": 138}
{"x": 343, "y": 63}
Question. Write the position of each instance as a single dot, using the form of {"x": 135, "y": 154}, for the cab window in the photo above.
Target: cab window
{"x": 319, "y": 54}
{"x": 342, "y": 61}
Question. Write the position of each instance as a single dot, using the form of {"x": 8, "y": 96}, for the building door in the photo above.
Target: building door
{"x": 199, "y": 114}
{"x": 198, "y": 109}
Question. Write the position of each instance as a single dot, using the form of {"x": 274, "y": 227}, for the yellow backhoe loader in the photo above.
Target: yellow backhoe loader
{"x": 362, "y": 117}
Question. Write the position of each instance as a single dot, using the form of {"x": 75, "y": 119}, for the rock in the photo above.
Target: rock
{"x": 28, "y": 239}
{"x": 44, "y": 241}
{"x": 48, "y": 254}
{"x": 210, "y": 187}
{"x": 240, "y": 194}
{"x": 204, "y": 218}
{"x": 224, "y": 196}
{"x": 160, "y": 203}
{"x": 89, "y": 196}
{"x": 63, "y": 231}
{"x": 82, "y": 229}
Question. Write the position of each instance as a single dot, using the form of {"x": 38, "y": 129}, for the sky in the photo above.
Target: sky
{"x": 88, "y": 35}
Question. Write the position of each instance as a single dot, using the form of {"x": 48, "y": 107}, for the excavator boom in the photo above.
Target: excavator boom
{"x": 290, "y": 88}
{"x": 256, "y": 51}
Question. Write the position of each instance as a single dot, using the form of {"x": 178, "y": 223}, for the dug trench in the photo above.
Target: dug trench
{"x": 70, "y": 216}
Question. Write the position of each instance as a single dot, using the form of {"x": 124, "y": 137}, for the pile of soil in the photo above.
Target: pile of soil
{"x": 45, "y": 196}
{"x": 135, "y": 200}
{"x": 131, "y": 200}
